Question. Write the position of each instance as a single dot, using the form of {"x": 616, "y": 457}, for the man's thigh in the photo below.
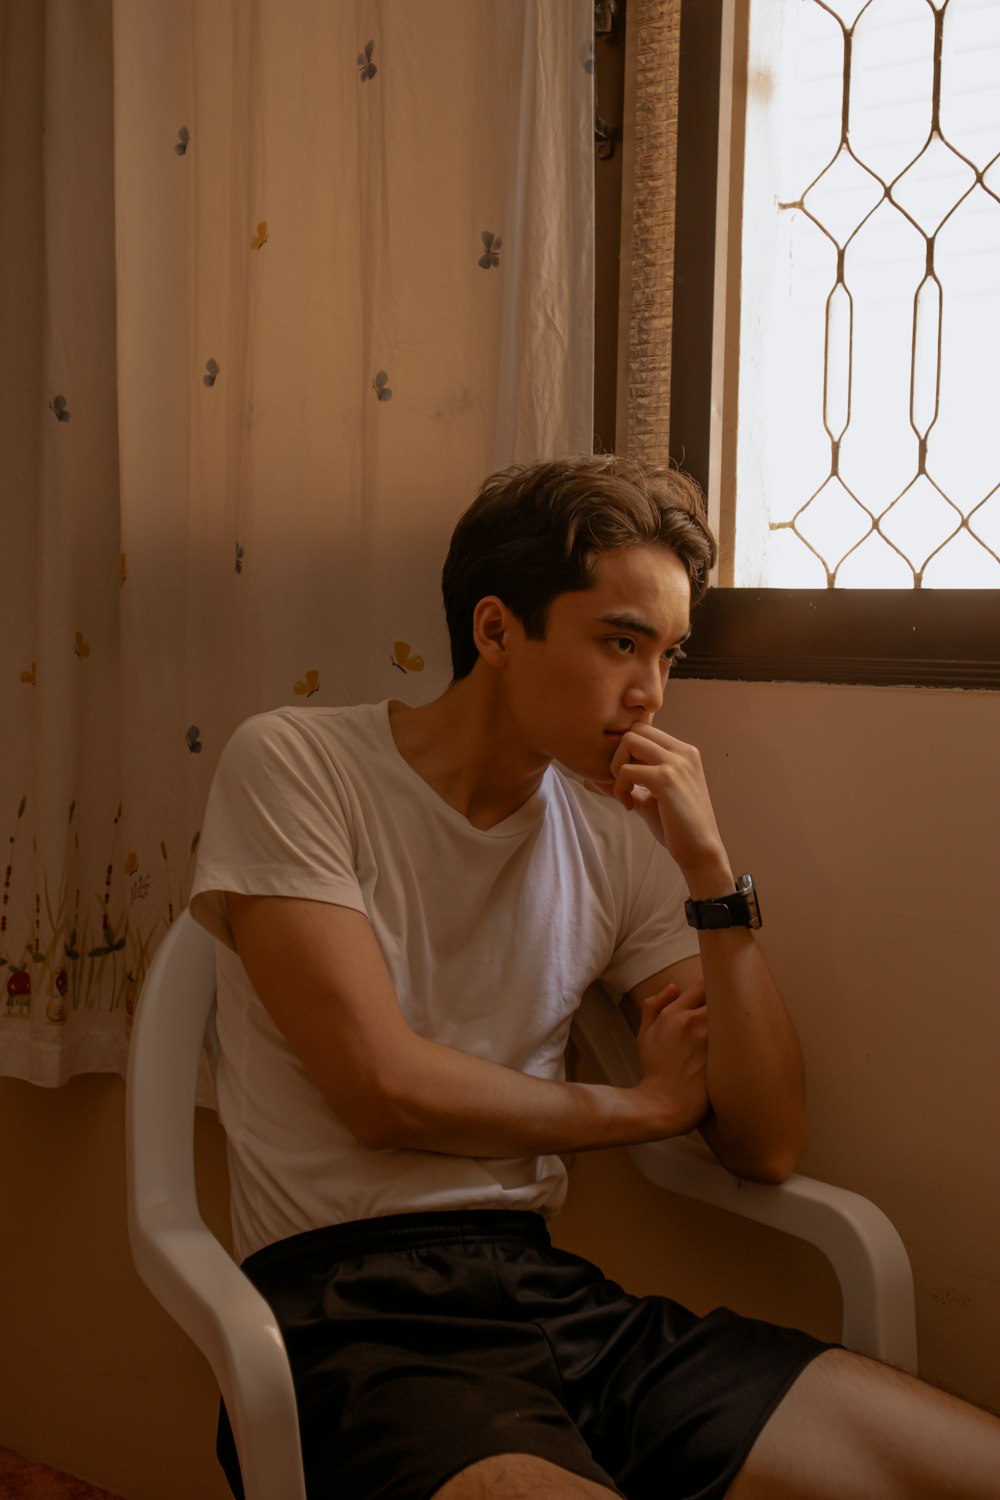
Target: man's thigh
{"x": 518, "y": 1476}
{"x": 850, "y": 1428}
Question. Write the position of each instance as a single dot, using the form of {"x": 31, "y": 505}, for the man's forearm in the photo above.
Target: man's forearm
{"x": 432, "y": 1098}
{"x": 755, "y": 1073}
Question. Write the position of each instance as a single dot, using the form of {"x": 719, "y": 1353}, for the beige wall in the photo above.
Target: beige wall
{"x": 870, "y": 819}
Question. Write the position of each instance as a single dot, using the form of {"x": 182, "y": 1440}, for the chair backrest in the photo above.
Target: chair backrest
{"x": 174, "y": 1010}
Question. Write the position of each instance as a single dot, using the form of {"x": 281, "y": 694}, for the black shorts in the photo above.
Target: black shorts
{"x": 422, "y": 1343}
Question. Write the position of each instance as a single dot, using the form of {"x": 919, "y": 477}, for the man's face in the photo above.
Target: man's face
{"x": 603, "y": 664}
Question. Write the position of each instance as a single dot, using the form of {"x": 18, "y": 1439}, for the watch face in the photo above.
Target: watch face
{"x": 748, "y": 890}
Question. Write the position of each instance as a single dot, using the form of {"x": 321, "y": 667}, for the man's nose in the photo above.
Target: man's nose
{"x": 646, "y": 691}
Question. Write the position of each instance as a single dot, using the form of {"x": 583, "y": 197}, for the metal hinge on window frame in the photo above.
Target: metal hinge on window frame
{"x": 605, "y": 12}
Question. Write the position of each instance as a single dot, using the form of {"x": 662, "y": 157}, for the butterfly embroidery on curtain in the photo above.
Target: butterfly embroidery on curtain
{"x": 365, "y": 64}
{"x": 492, "y": 243}
{"x": 402, "y": 659}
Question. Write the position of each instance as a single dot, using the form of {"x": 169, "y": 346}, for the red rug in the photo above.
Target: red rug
{"x": 21, "y": 1480}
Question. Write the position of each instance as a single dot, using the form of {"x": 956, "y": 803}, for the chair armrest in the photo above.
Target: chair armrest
{"x": 862, "y": 1245}
{"x": 194, "y": 1279}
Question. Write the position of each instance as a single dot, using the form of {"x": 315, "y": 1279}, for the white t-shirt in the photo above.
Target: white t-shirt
{"x": 490, "y": 936}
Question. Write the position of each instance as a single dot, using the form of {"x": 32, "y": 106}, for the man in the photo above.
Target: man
{"x": 410, "y": 902}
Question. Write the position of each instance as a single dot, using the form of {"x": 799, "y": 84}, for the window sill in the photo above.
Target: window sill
{"x": 946, "y": 638}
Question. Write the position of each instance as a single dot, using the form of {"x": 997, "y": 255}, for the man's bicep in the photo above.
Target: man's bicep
{"x": 321, "y": 976}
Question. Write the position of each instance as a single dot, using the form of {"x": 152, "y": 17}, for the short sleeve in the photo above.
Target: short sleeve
{"x": 655, "y": 932}
{"x": 279, "y": 822}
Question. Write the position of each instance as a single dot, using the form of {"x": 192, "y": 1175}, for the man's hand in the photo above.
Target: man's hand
{"x": 662, "y": 779}
{"x": 672, "y": 1043}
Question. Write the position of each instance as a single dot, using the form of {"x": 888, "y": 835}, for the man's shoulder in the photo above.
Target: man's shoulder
{"x": 298, "y": 747}
{"x": 319, "y": 726}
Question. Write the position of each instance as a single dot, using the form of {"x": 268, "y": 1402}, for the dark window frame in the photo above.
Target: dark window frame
{"x": 886, "y": 637}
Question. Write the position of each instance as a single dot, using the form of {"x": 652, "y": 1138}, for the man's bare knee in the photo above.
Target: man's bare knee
{"x": 519, "y": 1476}
{"x": 851, "y": 1427}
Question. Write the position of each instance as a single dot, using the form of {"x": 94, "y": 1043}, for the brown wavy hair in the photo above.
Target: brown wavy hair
{"x": 534, "y": 532}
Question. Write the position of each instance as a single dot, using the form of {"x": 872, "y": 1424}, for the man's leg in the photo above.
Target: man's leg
{"x": 848, "y": 1429}
{"x": 852, "y": 1429}
{"x": 519, "y": 1476}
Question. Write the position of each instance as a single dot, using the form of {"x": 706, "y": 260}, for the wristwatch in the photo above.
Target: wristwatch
{"x": 741, "y": 909}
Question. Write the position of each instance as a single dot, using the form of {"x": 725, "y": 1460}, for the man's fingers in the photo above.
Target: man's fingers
{"x": 693, "y": 996}
{"x": 653, "y": 1004}
{"x": 692, "y": 999}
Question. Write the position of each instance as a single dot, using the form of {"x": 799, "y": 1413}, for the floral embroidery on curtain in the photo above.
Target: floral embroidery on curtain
{"x": 250, "y": 385}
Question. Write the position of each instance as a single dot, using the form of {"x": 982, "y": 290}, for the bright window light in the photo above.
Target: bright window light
{"x": 869, "y": 405}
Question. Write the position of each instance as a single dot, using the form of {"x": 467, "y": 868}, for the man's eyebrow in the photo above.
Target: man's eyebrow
{"x": 638, "y": 627}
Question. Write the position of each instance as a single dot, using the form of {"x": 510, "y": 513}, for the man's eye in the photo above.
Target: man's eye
{"x": 676, "y": 653}
{"x": 623, "y": 643}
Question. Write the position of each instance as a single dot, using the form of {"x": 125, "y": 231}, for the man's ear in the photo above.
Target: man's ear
{"x": 491, "y": 624}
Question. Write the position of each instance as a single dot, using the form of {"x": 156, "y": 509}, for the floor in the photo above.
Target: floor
{"x": 21, "y": 1480}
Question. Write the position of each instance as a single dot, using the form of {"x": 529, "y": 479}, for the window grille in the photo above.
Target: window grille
{"x": 869, "y": 445}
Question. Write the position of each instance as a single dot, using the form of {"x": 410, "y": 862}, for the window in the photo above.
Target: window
{"x": 849, "y": 404}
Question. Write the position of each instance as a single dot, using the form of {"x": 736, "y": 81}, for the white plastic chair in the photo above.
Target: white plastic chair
{"x": 190, "y": 1273}
{"x": 175, "y": 1253}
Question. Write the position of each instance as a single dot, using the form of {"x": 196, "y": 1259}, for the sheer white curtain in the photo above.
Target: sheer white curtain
{"x": 284, "y": 280}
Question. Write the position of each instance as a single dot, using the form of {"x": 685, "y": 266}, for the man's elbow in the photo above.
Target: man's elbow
{"x": 373, "y": 1131}
{"x": 776, "y": 1164}
{"x": 380, "y": 1119}
{"x": 770, "y": 1162}
{"x": 772, "y": 1170}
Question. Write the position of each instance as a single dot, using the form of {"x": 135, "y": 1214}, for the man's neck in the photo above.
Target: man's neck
{"x": 461, "y": 745}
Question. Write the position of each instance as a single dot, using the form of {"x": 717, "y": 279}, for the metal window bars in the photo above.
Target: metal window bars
{"x": 920, "y": 519}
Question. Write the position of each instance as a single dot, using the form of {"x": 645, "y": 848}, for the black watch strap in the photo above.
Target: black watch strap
{"x": 740, "y": 909}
